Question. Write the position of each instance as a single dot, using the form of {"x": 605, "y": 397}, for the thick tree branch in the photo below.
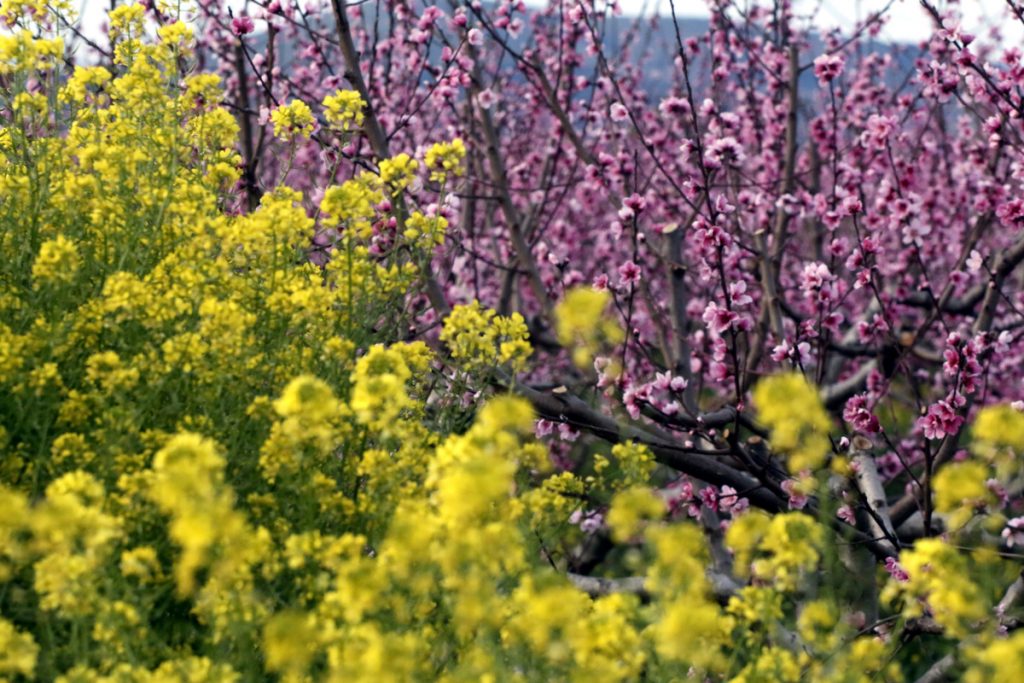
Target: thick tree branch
{"x": 870, "y": 484}
{"x": 722, "y": 586}
{"x": 572, "y": 410}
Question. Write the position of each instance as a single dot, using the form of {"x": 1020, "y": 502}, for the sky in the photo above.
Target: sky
{"x": 907, "y": 23}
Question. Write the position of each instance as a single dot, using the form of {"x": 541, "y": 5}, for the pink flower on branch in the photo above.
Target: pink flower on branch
{"x": 629, "y": 274}
{"x": 718, "y": 318}
{"x": 941, "y": 420}
{"x": 241, "y": 26}
{"x": 618, "y": 112}
{"x": 828, "y": 67}
{"x": 857, "y": 413}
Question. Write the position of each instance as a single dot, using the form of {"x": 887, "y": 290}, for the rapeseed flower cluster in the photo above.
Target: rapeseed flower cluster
{"x": 425, "y": 231}
{"x": 344, "y": 111}
{"x": 19, "y": 651}
{"x": 481, "y": 338}
{"x": 998, "y": 661}
{"x": 778, "y": 549}
{"x": 445, "y": 159}
{"x": 998, "y": 437}
{"x": 584, "y": 325}
{"x": 789, "y": 405}
{"x": 398, "y": 172}
{"x": 292, "y": 121}
{"x": 57, "y": 261}
{"x": 354, "y": 203}
{"x": 690, "y": 628}
{"x": 631, "y": 464}
{"x": 939, "y": 584}
{"x": 20, "y": 52}
{"x": 631, "y": 509}
{"x": 961, "y": 490}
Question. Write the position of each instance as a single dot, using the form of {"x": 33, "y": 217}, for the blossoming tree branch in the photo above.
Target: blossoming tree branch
{"x": 404, "y": 340}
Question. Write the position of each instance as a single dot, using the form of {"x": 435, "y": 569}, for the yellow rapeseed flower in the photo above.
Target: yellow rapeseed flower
{"x": 481, "y": 338}
{"x": 398, "y": 172}
{"x": 961, "y": 489}
{"x": 292, "y": 121}
{"x": 445, "y": 159}
{"x": 343, "y": 110}
{"x": 583, "y": 325}
{"x": 630, "y": 509}
{"x": 58, "y": 261}
{"x": 789, "y": 405}
{"x": 18, "y": 651}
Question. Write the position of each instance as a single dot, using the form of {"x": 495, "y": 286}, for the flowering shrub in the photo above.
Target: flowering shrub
{"x": 577, "y": 386}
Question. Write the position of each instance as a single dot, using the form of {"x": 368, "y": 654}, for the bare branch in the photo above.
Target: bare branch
{"x": 722, "y": 586}
{"x": 870, "y": 484}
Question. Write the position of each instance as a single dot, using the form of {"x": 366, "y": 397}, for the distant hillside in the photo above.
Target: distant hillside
{"x": 658, "y": 37}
